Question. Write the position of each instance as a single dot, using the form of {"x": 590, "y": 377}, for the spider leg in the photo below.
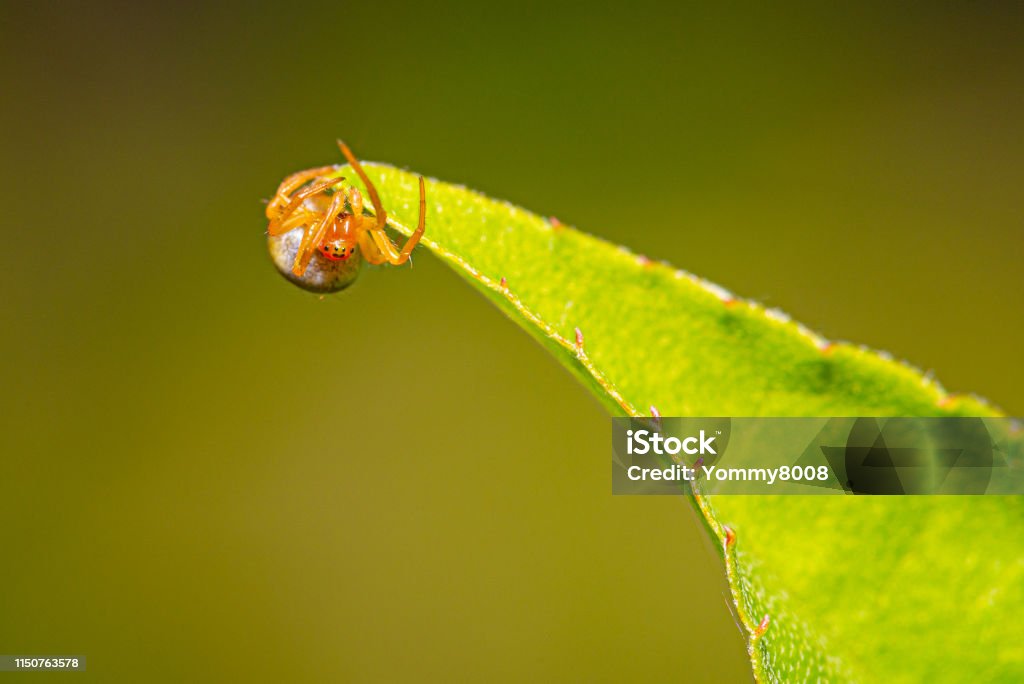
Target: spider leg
{"x": 290, "y": 185}
{"x": 394, "y": 256}
{"x": 294, "y": 180}
{"x": 315, "y": 235}
{"x": 372, "y": 254}
{"x": 302, "y": 217}
{"x": 297, "y": 199}
{"x": 378, "y": 208}
{"x": 421, "y": 226}
{"x": 302, "y": 195}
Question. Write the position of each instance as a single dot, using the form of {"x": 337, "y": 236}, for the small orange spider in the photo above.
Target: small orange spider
{"x": 336, "y": 225}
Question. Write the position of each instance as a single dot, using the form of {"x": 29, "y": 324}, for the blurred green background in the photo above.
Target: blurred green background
{"x": 187, "y": 495}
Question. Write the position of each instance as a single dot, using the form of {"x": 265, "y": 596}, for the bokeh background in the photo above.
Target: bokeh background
{"x": 209, "y": 475}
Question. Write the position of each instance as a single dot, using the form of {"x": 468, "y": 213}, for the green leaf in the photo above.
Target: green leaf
{"x": 855, "y": 588}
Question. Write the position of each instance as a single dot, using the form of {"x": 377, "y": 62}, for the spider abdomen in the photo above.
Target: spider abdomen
{"x": 324, "y": 274}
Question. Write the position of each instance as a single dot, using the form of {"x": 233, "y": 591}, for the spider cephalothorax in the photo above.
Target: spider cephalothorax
{"x": 334, "y": 224}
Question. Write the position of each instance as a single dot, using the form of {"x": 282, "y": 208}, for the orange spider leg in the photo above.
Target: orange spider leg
{"x": 371, "y": 252}
{"x": 302, "y": 217}
{"x": 293, "y": 181}
{"x": 296, "y": 201}
{"x": 290, "y": 185}
{"x": 301, "y": 196}
{"x": 355, "y": 199}
{"x": 315, "y": 235}
{"x": 389, "y": 249}
{"x": 421, "y": 226}
{"x": 378, "y": 208}
{"x": 380, "y": 237}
